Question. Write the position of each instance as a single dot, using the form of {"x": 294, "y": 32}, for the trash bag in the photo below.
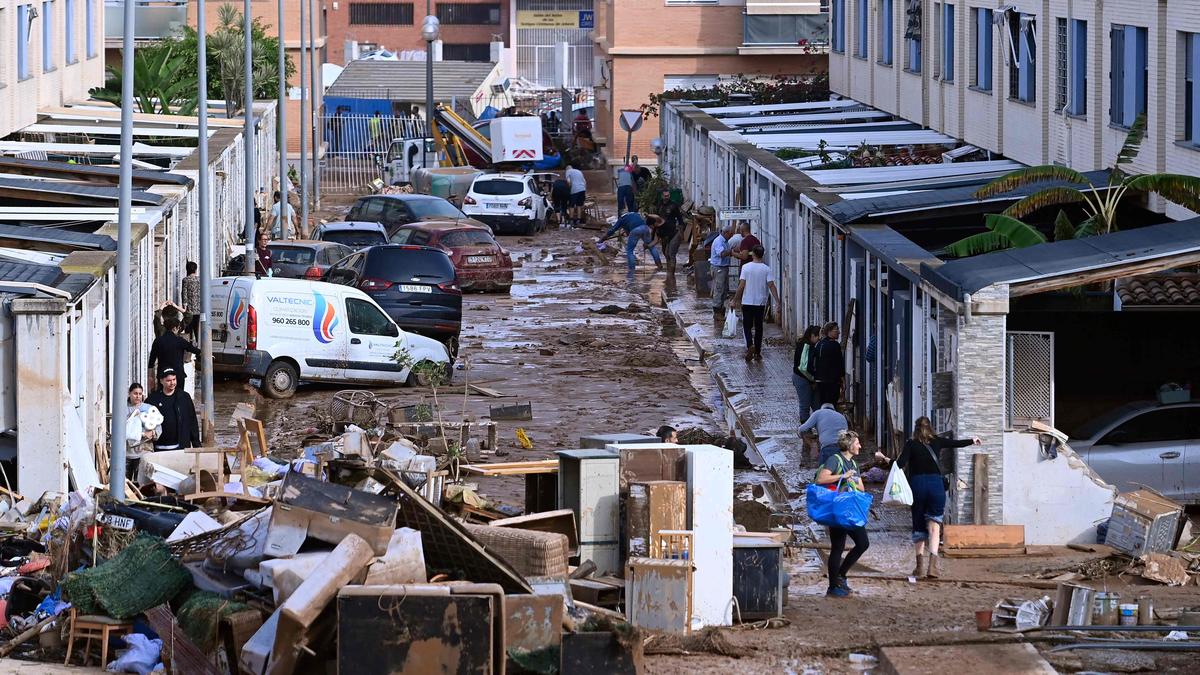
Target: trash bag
{"x": 731, "y": 321}
{"x": 837, "y": 509}
{"x": 141, "y": 657}
{"x": 896, "y": 490}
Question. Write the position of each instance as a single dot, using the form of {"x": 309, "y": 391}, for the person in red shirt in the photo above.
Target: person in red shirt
{"x": 749, "y": 241}
{"x": 262, "y": 267}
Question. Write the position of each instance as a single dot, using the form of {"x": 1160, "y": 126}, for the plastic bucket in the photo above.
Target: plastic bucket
{"x": 1129, "y": 614}
{"x": 983, "y": 619}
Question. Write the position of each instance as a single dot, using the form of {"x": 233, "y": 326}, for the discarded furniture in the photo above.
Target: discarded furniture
{"x": 1143, "y": 522}
{"x": 532, "y": 626}
{"x": 518, "y": 412}
{"x": 658, "y": 594}
{"x": 758, "y": 578}
{"x": 671, "y": 545}
{"x": 463, "y": 428}
{"x": 600, "y": 653}
{"x": 601, "y": 441}
{"x": 651, "y": 507}
{"x": 308, "y": 507}
{"x": 89, "y": 626}
{"x": 710, "y": 518}
{"x": 601, "y": 592}
{"x": 541, "y": 481}
{"x": 588, "y": 485}
{"x": 559, "y": 521}
{"x": 531, "y": 553}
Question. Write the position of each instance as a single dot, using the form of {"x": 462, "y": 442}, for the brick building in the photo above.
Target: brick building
{"x": 468, "y": 27}
{"x": 1049, "y": 82}
{"x": 648, "y": 47}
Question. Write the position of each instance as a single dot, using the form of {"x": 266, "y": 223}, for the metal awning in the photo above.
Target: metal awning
{"x": 111, "y": 130}
{"x": 56, "y": 237}
{"x": 850, "y": 140}
{"x": 69, "y": 193}
{"x": 91, "y": 149}
{"x": 894, "y": 249}
{"x": 107, "y": 175}
{"x": 888, "y": 174}
{"x": 759, "y": 120}
{"x": 1061, "y": 264}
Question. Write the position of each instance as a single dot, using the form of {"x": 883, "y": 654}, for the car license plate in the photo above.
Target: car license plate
{"x": 413, "y": 288}
{"x": 117, "y": 522}
{"x": 479, "y": 259}
{"x": 494, "y": 205}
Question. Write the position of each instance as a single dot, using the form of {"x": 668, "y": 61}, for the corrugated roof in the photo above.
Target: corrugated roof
{"x": 46, "y": 275}
{"x": 897, "y": 251}
{"x": 57, "y": 236}
{"x": 405, "y": 80}
{"x": 1062, "y": 258}
{"x": 33, "y": 167}
{"x": 74, "y": 193}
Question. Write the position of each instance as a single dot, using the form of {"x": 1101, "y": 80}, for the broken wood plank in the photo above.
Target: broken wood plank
{"x": 512, "y": 468}
{"x": 986, "y": 552}
{"x": 980, "y": 487}
{"x": 491, "y": 393}
{"x": 984, "y": 536}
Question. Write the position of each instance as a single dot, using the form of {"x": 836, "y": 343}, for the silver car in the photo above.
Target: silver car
{"x": 1146, "y": 444}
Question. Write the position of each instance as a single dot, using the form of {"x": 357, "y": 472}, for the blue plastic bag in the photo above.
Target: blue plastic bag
{"x": 837, "y": 509}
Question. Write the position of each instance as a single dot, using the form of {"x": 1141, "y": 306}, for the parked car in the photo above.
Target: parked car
{"x": 509, "y": 202}
{"x": 286, "y": 331}
{"x": 295, "y": 259}
{"x": 481, "y": 262}
{"x": 392, "y": 211}
{"x": 352, "y": 233}
{"x": 416, "y": 285}
{"x": 1146, "y": 443}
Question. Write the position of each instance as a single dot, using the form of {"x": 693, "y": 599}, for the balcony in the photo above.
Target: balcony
{"x": 152, "y": 20}
{"x": 783, "y": 34}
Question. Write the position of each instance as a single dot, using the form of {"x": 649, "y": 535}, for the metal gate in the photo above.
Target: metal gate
{"x": 357, "y": 144}
{"x": 1029, "y": 378}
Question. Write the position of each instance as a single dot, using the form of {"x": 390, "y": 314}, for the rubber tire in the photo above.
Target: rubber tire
{"x": 280, "y": 373}
{"x": 415, "y": 380}
{"x": 530, "y": 229}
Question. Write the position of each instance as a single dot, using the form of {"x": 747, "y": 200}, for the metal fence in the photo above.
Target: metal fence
{"x": 1029, "y": 393}
{"x": 355, "y": 146}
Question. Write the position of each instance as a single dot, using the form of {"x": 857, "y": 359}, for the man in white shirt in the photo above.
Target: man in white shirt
{"x": 753, "y": 285}
{"x": 578, "y": 193}
{"x": 279, "y": 228}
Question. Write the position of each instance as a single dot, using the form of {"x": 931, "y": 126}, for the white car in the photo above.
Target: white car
{"x": 510, "y": 203}
{"x": 285, "y": 331}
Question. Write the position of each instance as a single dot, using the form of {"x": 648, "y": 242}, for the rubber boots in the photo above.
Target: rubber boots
{"x": 935, "y": 566}
{"x": 922, "y": 567}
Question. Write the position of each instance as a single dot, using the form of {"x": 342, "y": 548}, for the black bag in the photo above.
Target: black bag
{"x": 938, "y": 464}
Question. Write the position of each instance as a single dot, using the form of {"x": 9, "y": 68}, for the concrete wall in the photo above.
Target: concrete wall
{"x": 21, "y": 99}
{"x": 1059, "y": 501}
{"x": 1034, "y": 133}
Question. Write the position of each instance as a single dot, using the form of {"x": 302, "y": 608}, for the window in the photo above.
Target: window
{"x": 860, "y": 19}
{"x": 1022, "y": 53}
{"x": 461, "y": 13}
{"x": 886, "y": 19}
{"x": 1191, "y": 88}
{"x": 381, "y": 13}
{"x": 783, "y": 29}
{"x": 1157, "y": 426}
{"x": 469, "y": 52}
{"x": 912, "y": 35}
{"x": 837, "y": 23}
{"x": 47, "y": 36}
{"x": 90, "y": 32}
{"x": 69, "y": 31}
{"x": 981, "y": 28}
{"x": 1128, "y": 74}
{"x": 948, "y": 42}
{"x": 1077, "y": 67}
{"x": 23, "y": 21}
{"x": 366, "y": 319}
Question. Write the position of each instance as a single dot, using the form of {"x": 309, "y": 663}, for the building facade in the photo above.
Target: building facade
{"x": 468, "y": 27}
{"x": 538, "y": 27}
{"x": 645, "y": 48}
{"x": 1039, "y": 81}
{"x": 51, "y": 52}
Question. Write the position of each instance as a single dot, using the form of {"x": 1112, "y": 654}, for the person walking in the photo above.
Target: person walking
{"x": 189, "y": 294}
{"x": 718, "y": 269}
{"x": 179, "y": 427}
{"x": 144, "y": 442}
{"x": 840, "y": 472}
{"x": 754, "y": 283}
{"x": 262, "y": 266}
{"x": 578, "y": 192}
{"x": 829, "y": 424}
{"x": 281, "y": 226}
{"x": 636, "y": 231}
{"x": 802, "y": 374}
{"x": 671, "y": 232}
{"x": 922, "y": 468}
{"x": 167, "y": 351}
{"x": 829, "y": 366}
{"x": 560, "y": 196}
{"x": 625, "y": 190}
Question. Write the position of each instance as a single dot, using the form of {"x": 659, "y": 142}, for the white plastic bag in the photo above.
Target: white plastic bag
{"x": 731, "y": 321}
{"x": 896, "y": 490}
{"x": 134, "y": 428}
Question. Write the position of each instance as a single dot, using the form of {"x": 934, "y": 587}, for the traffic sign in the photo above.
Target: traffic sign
{"x": 631, "y": 120}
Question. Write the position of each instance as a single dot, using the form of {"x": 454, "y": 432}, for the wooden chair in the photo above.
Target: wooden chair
{"x": 88, "y": 626}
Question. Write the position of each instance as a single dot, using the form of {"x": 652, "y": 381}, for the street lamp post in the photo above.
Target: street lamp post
{"x": 304, "y": 98}
{"x": 248, "y": 111}
{"x": 281, "y": 135}
{"x": 207, "y": 411}
{"x": 430, "y": 30}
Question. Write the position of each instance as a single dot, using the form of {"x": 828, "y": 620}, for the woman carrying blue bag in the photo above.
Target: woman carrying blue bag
{"x": 840, "y": 474}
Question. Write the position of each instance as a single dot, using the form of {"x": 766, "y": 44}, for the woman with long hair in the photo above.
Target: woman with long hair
{"x": 922, "y": 468}
{"x": 802, "y": 374}
{"x": 840, "y": 472}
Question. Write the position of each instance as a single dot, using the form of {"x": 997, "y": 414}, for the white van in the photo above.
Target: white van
{"x": 285, "y": 331}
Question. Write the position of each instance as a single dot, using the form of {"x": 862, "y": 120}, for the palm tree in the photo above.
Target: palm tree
{"x": 1100, "y": 203}
{"x": 164, "y": 83}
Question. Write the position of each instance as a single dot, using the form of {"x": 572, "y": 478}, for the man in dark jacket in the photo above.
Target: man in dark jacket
{"x": 829, "y": 367}
{"x": 168, "y": 349}
{"x": 179, "y": 426}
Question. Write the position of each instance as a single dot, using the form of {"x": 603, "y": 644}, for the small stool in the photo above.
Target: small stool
{"x": 88, "y": 626}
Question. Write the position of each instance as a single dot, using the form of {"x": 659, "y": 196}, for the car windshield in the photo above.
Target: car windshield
{"x": 406, "y": 264}
{"x": 498, "y": 187}
{"x": 292, "y": 255}
{"x": 457, "y": 238}
{"x": 434, "y": 208}
{"x": 1092, "y": 428}
{"x": 357, "y": 238}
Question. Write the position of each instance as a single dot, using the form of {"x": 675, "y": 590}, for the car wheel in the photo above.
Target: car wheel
{"x": 416, "y": 379}
{"x": 531, "y": 228}
{"x": 281, "y": 380}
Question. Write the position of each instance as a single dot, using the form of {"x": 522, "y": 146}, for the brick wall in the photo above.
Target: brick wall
{"x": 400, "y": 38}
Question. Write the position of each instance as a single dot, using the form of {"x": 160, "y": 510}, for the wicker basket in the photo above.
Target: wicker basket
{"x": 533, "y": 554}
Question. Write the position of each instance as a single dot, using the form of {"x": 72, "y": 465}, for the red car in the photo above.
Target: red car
{"x": 481, "y": 262}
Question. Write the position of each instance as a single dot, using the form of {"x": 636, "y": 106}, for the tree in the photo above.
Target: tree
{"x": 164, "y": 83}
{"x": 1100, "y": 203}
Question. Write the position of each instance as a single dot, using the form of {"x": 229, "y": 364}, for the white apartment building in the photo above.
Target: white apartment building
{"x": 1039, "y": 81}
{"x": 51, "y": 52}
